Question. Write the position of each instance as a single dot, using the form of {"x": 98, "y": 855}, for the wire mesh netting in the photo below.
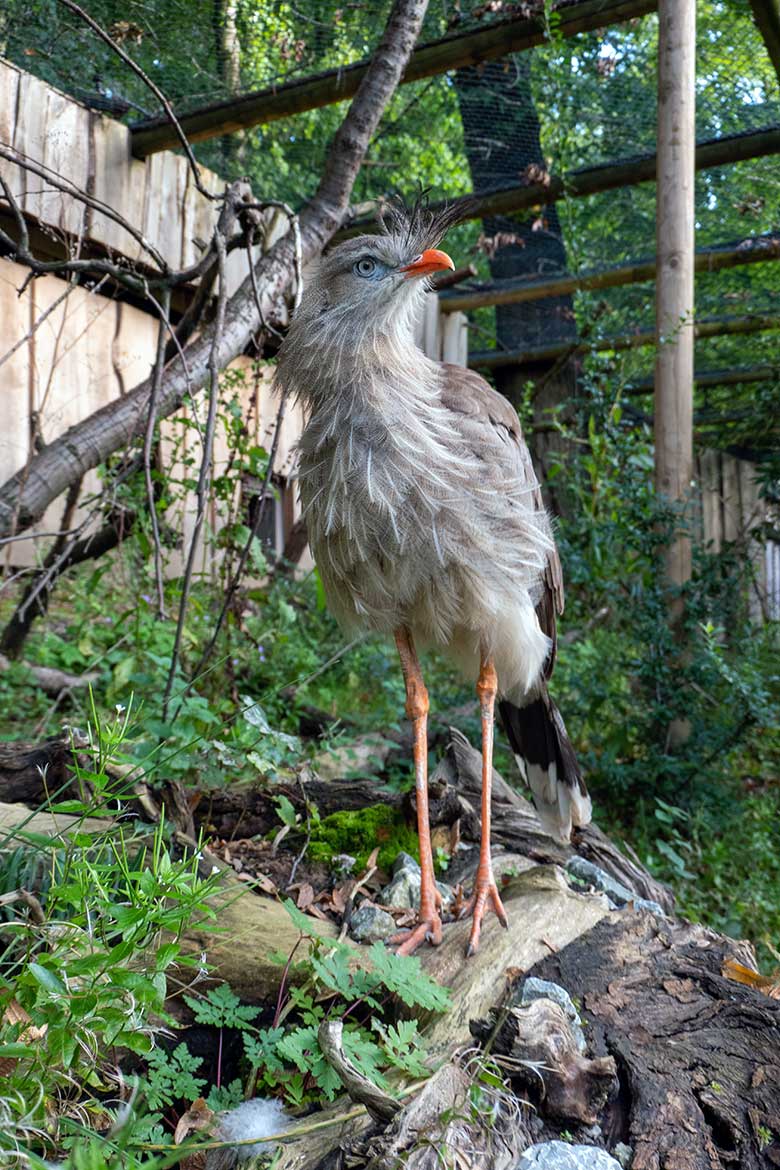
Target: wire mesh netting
{"x": 571, "y": 103}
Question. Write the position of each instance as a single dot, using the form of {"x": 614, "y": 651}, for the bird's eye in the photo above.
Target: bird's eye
{"x": 365, "y": 266}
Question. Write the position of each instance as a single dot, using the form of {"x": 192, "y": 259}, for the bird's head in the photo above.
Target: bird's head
{"x": 362, "y": 297}
{"x": 376, "y": 277}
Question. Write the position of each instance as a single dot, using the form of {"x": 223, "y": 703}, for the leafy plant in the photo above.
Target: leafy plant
{"x": 329, "y": 984}
{"x": 90, "y": 980}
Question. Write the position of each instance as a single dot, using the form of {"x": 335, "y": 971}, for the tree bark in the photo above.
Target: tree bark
{"x": 697, "y": 1054}
{"x": 674, "y": 307}
{"x": 25, "y": 497}
{"x": 675, "y": 273}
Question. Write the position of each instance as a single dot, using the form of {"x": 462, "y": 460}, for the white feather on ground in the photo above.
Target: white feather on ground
{"x": 255, "y": 1119}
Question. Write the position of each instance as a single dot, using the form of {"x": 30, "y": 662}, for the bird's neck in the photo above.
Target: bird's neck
{"x": 340, "y": 362}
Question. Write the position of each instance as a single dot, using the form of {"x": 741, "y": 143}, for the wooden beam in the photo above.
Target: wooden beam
{"x": 454, "y": 51}
{"x": 442, "y": 280}
{"x": 729, "y": 377}
{"x": 748, "y": 251}
{"x": 766, "y": 14}
{"x": 713, "y": 152}
{"x": 491, "y": 359}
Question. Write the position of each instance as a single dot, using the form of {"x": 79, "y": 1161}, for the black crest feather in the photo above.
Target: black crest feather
{"x": 422, "y": 224}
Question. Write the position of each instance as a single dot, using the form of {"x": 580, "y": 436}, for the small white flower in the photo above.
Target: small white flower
{"x": 120, "y": 708}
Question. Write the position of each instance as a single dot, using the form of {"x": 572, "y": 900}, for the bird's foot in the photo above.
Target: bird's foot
{"x": 428, "y": 929}
{"x": 485, "y": 889}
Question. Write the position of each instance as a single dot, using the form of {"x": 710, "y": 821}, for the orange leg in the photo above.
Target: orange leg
{"x": 485, "y": 886}
{"x": 429, "y": 926}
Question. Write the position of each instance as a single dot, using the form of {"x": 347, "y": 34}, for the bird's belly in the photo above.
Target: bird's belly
{"x": 450, "y": 563}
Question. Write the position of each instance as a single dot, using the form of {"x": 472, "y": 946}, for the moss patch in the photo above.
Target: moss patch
{"x": 358, "y": 833}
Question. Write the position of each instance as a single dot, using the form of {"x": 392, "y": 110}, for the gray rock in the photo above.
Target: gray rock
{"x": 543, "y": 989}
{"x": 620, "y": 895}
{"x": 564, "y": 1156}
{"x": 403, "y": 893}
{"x": 369, "y": 923}
{"x": 624, "y": 1154}
{"x": 405, "y": 861}
{"x": 343, "y": 863}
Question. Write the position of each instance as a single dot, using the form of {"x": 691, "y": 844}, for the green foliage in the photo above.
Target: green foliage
{"x": 329, "y": 984}
{"x": 86, "y": 988}
{"x": 701, "y": 814}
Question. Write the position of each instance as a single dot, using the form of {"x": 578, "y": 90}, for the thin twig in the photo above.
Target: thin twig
{"x": 302, "y": 854}
{"x": 235, "y": 580}
{"x": 40, "y": 320}
{"x": 204, "y": 477}
{"x": 147, "y": 452}
{"x": 19, "y": 159}
{"x": 162, "y": 99}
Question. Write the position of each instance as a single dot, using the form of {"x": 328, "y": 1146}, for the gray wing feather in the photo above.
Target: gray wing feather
{"x": 496, "y": 435}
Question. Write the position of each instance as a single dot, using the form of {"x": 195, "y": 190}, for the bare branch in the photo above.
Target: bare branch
{"x": 25, "y": 497}
{"x": 162, "y": 99}
{"x": 67, "y": 188}
{"x": 204, "y": 476}
{"x": 147, "y": 453}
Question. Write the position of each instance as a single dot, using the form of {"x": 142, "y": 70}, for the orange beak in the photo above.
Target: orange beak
{"x": 431, "y": 260}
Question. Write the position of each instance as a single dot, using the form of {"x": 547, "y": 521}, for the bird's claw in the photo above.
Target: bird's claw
{"x": 428, "y": 929}
{"x": 484, "y": 889}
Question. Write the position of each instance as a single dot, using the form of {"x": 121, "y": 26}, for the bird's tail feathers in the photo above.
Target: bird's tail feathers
{"x": 545, "y": 756}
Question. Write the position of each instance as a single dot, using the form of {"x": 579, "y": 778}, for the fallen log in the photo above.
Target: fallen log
{"x": 51, "y": 680}
{"x": 698, "y": 1055}
{"x": 32, "y": 772}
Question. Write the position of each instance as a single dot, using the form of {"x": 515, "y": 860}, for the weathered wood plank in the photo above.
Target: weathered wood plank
{"x": 93, "y": 153}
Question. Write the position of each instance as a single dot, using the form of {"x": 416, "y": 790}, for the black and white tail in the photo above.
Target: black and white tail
{"x": 544, "y": 754}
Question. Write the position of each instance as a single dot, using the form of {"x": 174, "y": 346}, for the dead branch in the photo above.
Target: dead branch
{"x": 360, "y": 1088}
{"x": 54, "y": 681}
{"x": 25, "y": 496}
{"x": 147, "y": 455}
{"x": 22, "y": 251}
{"x": 36, "y": 597}
{"x": 204, "y": 475}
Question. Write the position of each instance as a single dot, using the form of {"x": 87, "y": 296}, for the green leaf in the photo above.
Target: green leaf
{"x": 299, "y": 918}
{"x": 286, "y": 811}
{"x": 47, "y": 979}
{"x": 18, "y": 1051}
{"x": 403, "y": 975}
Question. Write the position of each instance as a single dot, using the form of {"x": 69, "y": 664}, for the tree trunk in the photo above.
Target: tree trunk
{"x": 674, "y": 291}
{"x": 228, "y": 54}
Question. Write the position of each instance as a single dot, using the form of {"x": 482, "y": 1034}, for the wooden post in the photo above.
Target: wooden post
{"x": 674, "y": 310}
{"x": 674, "y": 270}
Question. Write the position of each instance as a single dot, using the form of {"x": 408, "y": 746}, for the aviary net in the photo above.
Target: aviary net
{"x": 578, "y": 108}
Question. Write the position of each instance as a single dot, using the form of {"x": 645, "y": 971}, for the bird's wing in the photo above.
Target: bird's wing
{"x": 466, "y": 393}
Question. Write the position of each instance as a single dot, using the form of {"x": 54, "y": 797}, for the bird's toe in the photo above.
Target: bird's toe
{"x": 427, "y": 930}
